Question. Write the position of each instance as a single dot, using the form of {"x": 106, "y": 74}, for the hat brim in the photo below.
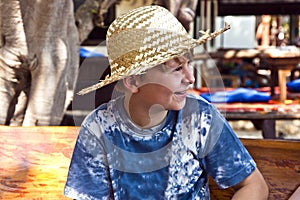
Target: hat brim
{"x": 136, "y": 62}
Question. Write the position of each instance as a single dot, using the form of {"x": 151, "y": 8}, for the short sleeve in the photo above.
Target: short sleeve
{"x": 88, "y": 176}
{"x": 228, "y": 162}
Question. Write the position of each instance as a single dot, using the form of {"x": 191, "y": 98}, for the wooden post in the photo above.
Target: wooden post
{"x": 282, "y": 74}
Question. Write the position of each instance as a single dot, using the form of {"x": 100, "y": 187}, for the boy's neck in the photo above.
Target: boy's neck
{"x": 144, "y": 116}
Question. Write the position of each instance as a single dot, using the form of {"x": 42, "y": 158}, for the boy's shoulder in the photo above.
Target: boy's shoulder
{"x": 197, "y": 105}
{"x": 193, "y": 99}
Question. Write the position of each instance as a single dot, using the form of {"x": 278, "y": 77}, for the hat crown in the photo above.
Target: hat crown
{"x": 142, "y": 37}
{"x": 147, "y": 17}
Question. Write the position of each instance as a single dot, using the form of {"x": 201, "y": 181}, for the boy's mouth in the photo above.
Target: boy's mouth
{"x": 181, "y": 92}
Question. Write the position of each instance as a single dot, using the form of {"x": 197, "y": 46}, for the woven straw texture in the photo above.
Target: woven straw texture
{"x": 141, "y": 39}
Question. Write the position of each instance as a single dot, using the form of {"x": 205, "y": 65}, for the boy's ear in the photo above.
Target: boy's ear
{"x": 131, "y": 84}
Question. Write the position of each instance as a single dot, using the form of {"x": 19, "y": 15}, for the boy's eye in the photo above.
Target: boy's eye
{"x": 178, "y": 68}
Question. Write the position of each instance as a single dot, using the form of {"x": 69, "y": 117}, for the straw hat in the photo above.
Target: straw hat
{"x": 144, "y": 38}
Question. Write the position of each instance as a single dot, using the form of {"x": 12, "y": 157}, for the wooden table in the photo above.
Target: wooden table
{"x": 278, "y": 161}
{"x": 263, "y": 115}
{"x": 264, "y": 121}
{"x": 35, "y": 163}
{"x": 281, "y": 63}
{"x": 229, "y": 54}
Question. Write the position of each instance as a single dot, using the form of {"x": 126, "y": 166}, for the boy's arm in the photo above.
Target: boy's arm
{"x": 253, "y": 187}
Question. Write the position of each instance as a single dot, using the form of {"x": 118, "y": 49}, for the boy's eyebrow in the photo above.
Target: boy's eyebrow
{"x": 186, "y": 58}
{"x": 188, "y": 55}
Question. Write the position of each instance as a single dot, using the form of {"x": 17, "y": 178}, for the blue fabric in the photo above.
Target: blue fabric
{"x": 293, "y": 86}
{"x": 114, "y": 159}
{"x": 237, "y": 95}
{"x": 84, "y": 53}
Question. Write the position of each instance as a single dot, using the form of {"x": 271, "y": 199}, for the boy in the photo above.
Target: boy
{"x": 155, "y": 141}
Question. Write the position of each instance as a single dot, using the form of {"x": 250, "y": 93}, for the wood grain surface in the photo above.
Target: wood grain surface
{"x": 278, "y": 161}
{"x": 35, "y": 162}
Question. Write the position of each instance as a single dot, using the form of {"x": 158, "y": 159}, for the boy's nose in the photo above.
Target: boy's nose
{"x": 188, "y": 74}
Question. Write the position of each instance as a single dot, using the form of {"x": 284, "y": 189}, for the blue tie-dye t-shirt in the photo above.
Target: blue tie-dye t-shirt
{"x": 115, "y": 159}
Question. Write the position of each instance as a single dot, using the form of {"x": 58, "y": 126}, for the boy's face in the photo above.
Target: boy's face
{"x": 166, "y": 85}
